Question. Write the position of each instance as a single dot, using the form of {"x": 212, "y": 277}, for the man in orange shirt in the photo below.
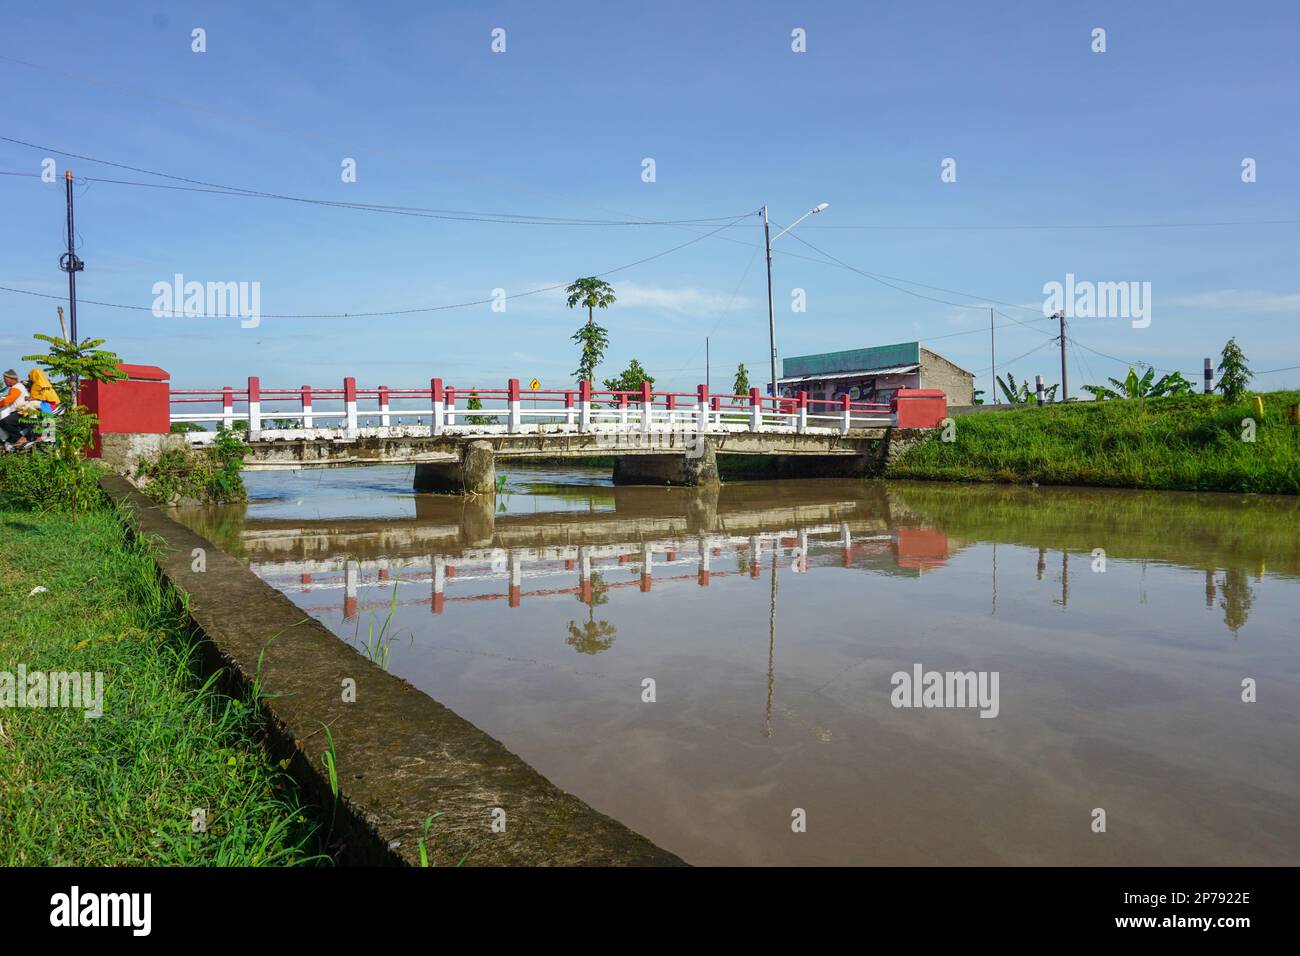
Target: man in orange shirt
{"x": 15, "y": 393}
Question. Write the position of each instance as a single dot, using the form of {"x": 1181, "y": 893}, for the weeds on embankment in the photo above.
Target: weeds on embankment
{"x": 173, "y": 773}
{"x": 1188, "y": 443}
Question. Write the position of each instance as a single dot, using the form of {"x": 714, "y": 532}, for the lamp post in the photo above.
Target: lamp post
{"x": 771, "y": 311}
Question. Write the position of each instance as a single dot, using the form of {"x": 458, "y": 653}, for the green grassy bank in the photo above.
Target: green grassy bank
{"x": 123, "y": 788}
{"x": 1191, "y": 443}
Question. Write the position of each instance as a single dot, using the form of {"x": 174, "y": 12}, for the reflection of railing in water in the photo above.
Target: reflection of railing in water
{"x": 909, "y": 552}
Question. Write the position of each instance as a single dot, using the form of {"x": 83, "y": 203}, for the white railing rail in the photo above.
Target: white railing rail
{"x": 351, "y": 412}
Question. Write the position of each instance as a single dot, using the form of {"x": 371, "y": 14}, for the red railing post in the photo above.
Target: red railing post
{"x": 383, "y": 406}
{"x": 435, "y": 393}
{"x": 847, "y": 408}
{"x": 802, "y": 421}
{"x": 647, "y": 406}
{"x": 702, "y": 406}
{"x": 512, "y": 393}
{"x": 755, "y": 409}
{"x": 350, "y": 403}
{"x": 305, "y": 396}
{"x": 227, "y": 406}
{"x": 584, "y": 405}
{"x": 254, "y": 404}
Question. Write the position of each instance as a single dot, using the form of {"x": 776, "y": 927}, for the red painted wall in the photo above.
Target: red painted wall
{"x": 920, "y": 407}
{"x": 137, "y": 404}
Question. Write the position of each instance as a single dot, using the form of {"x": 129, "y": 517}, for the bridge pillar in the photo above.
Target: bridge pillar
{"x": 682, "y": 469}
{"x": 475, "y": 473}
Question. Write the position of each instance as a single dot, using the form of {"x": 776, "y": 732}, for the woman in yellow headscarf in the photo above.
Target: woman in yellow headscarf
{"x": 40, "y": 390}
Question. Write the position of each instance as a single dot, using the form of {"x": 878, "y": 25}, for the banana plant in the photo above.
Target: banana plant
{"x": 1145, "y": 387}
{"x": 1021, "y": 395}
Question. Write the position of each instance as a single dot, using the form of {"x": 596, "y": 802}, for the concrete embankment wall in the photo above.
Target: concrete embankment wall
{"x": 400, "y": 756}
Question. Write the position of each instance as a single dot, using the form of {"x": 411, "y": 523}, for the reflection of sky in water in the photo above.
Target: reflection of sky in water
{"x": 1119, "y": 689}
{"x": 385, "y": 491}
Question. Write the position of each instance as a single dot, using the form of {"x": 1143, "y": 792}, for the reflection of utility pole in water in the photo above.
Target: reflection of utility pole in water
{"x": 1210, "y": 590}
{"x": 1042, "y": 561}
{"x": 771, "y": 650}
{"x": 1065, "y": 579}
{"x": 995, "y": 579}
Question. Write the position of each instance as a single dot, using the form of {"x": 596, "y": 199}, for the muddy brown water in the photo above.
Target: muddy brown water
{"x": 772, "y": 618}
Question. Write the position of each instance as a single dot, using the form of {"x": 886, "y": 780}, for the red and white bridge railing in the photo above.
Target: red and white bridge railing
{"x": 350, "y": 412}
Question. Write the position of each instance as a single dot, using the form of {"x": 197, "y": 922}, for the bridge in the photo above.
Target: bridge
{"x": 455, "y": 551}
{"x": 455, "y": 435}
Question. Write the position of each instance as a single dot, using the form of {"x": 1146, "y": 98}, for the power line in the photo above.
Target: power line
{"x": 357, "y": 315}
{"x": 203, "y": 186}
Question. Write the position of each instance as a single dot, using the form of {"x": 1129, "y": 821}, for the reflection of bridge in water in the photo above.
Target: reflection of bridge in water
{"x": 659, "y": 536}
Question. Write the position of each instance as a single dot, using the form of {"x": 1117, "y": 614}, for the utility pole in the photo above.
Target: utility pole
{"x": 70, "y": 264}
{"x": 708, "y": 382}
{"x": 63, "y": 328}
{"x": 771, "y": 312}
{"x": 993, "y": 355}
{"x": 1065, "y": 387}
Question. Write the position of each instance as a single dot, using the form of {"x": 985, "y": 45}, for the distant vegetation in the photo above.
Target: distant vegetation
{"x": 1186, "y": 442}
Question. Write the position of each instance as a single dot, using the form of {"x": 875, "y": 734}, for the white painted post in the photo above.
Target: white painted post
{"x": 647, "y": 407}
{"x": 350, "y": 406}
{"x": 254, "y": 405}
{"x": 584, "y": 406}
{"x": 702, "y": 404}
{"x": 436, "y": 393}
{"x": 569, "y": 410}
{"x": 622, "y": 410}
{"x": 848, "y": 415}
{"x": 306, "y": 406}
{"x": 227, "y": 407}
{"x": 516, "y": 404}
{"x": 802, "y": 421}
{"x": 384, "y": 419}
{"x": 755, "y": 410}
{"x": 451, "y": 407}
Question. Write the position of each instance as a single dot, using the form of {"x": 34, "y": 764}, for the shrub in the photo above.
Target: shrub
{"x": 209, "y": 475}
{"x": 39, "y": 481}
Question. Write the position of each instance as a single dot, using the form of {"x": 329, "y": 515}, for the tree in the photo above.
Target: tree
{"x": 1235, "y": 374}
{"x": 630, "y": 380}
{"x": 68, "y": 364}
{"x": 593, "y": 636}
{"x": 978, "y": 397}
{"x": 741, "y": 385}
{"x": 476, "y": 404}
{"x": 594, "y": 294}
{"x": 1144, "y": 387}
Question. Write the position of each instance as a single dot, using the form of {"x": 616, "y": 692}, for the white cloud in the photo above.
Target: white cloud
{"x": 685, "y": 300}
{"x": 1251, "y": 301}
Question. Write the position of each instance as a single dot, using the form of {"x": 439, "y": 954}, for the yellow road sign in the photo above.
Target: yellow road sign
{"x": 535, "y": 385}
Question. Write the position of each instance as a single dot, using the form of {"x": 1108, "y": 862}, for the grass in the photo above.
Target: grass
{"x": 1190, "y": 443}
{"x": 122, "y": 790}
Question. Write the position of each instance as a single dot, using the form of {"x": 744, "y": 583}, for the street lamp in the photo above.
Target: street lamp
{"x": 771, "y": 312}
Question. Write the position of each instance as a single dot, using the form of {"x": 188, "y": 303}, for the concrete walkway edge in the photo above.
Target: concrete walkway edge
{"x": 400, "y": 756}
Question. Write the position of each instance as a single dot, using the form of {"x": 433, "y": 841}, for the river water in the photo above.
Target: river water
{"x": 767, "y": 620}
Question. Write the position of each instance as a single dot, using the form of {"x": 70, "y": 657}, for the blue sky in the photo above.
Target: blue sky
{"x": 1044, "y": 132}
